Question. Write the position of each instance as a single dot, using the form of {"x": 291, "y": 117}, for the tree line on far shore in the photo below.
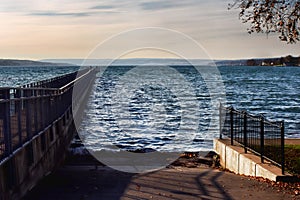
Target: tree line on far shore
{"x": 282, "y": 61}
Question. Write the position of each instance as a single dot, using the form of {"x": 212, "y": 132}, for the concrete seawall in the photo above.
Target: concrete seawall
{"x": 234, "y": 159}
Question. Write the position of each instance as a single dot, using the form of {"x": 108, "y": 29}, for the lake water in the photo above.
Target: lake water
{"x": 18, "y": 76}
{"x": 172, "y": 110}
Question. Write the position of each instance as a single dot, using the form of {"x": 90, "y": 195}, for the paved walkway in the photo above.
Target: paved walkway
{"x": 179, "y": 183}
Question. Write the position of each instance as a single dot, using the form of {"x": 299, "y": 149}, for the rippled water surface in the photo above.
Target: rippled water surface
{"x": 18, "y": 76}
{"x": 171, "y": 109}
{"x": 271, "y": 91}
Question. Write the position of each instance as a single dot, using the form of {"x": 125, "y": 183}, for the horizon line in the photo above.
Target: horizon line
{"x": 157, "y": 58}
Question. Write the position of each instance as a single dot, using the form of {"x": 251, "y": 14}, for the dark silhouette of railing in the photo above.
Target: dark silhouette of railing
{"x": 28, "y": 110}
{"x": 254, "y": 133}
{"x": 55, "y": 82}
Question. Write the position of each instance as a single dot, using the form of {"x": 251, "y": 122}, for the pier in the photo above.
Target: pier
{"x": 36, "y": 128}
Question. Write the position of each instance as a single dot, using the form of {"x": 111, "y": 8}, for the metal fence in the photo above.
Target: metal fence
{"x": 255, "y": 133}
{"x": 55, "y": 82}
{"x": 28, "y": 110}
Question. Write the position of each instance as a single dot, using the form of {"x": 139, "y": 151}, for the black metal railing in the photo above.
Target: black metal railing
{"x": 55, "y": 82}
{"x": 28, "y": 110}
{"x": 255, "y": 133}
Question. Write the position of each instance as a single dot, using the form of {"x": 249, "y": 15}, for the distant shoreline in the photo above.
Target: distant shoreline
{"x": 29, "y": 63}
{"x": 288, "y": 61}
{"x": 280, "y": 62}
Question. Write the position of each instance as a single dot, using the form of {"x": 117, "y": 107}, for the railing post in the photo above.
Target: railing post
{"x": 245, "y": 132}
{"x": 35, "y": 107}
{"x": 262, "y": 139}
{"x": 19, "y": 111}
{"x": 282, "y": 148}
{"x": 28, "y": 107}
{"x": 231, "y": 126}
{"x": 220, "y": 120}
{"x": 5, "y": 94}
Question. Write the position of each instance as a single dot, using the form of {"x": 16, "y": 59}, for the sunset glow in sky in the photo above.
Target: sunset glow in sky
{"x": 39, "y": 29}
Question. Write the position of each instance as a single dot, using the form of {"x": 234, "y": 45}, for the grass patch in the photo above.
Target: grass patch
{"x": 291, "y": 153}
{"x": 297, "y": 147}
{"x": 292, "y": 159}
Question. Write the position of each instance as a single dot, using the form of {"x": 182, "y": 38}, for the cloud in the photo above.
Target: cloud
{"x": 158, "y": 5}
{"x": 102, "y": 7}
{"x": 53, "y": 14}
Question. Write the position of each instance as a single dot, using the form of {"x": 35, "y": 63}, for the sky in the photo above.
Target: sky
{"x": 60, "y": 29}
